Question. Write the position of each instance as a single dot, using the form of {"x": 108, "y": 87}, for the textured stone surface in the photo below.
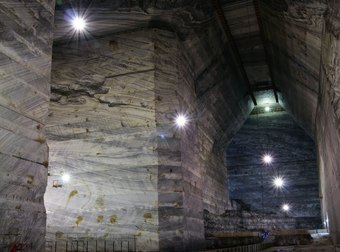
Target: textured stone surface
{"x": 101, "y": 131}
{"x": 294, "y": 159}
{"x": 25, "y": 59}
{"x": 242, "y": 220}
{"x": 328, "y": 122}
{"x": 293, "y": 39}
{"x": 301, "y": 35}
{"x": 115, "y": 123}
{"x": 90, "y": 86}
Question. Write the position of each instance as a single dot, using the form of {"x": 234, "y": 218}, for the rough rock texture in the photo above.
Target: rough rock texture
{"x": 292, "y": 32}
{"x": 25, "y": 59}
{"x": 241, "y": 220}
{"x": 115, "y": 118}
{"x": 328, "y": 122}
{"x": 300, "y": 35}
{"x": 294, "y": 159}
{"x": 114, "y": 134}
{"x": 102, "y": 132}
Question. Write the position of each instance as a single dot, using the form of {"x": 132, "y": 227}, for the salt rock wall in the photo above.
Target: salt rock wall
{"x": 310, "y": 32}
{"x": 25, "y": 59}
{"x": 102, "y": 132}
{"x": 294, "y": 159}
{"x": 328, "y": 122}
{"x": 111, "y": 128}
{"x": 292, "y": 32}
{"x": 241, "y": 220}
{"x": 192, "y": 171}
{"x": 221, "y": 93}
{"x": 180, "y": 181}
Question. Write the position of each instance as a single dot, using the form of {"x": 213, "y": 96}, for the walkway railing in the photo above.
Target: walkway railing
{"x": 84, "y": 244}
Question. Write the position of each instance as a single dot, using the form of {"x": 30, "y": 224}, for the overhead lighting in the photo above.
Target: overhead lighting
{"x": 78, "y": 23}
{"x": 267, "y": 159}
{"x": 65, "y": 177}
{"x": 278, "y": 182}
{"x": 267, "y": 109}
{"x": 181, "y": 121}
{"x": 285, "y": 207}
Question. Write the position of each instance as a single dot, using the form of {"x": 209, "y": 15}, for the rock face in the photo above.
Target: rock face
{"x": 114, "y": 99}
{"x": 239, "y": 219}
{"x": 328, "y": 122}
{"x": 102, "y": 133}
{"x": 293, "y": 39}
{"x": 302, "y": 37}
{"x": 294, "y": 160}
{"x": 25, "y": 59}
{"x": 111, "y": 128}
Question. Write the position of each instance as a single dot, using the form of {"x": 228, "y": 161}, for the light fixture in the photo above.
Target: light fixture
{"x": 285, "y": 207}
{"x": 267, "y": 109}
{"x": 267, "y": 159}
{"x": 65, "y": 177}
{"x": 278, "y": 182}
{"x": 181, "y": 121}
{"x": 78, "y": 23}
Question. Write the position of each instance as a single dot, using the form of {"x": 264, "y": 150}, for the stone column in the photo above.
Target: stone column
{"x": 180, "y": 182}
{"x": 25, "y": 59}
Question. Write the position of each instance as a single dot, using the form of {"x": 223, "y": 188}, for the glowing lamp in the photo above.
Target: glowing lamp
{"x": 66, "y": 177}
{"x": 285, "y": 207}
{"x": 267, "y": 159}
{"x": 181, "y": 121}
{"x": 79, "y": 23}
{"x": 278, "y": 182}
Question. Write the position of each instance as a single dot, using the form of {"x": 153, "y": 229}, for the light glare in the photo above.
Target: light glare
{"x": 79, "y": 24}
{"x": 278, "y": 182}
{"x": 181, "y": 121}
{"x": 66, "y": 177}
{"x": 267, "y": 109}
{"x": 267, "y": 159}
{"x": 285, "y": 207}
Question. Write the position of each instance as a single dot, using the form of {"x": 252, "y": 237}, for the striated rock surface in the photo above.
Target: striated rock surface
{"x": 102, "y": 132}
{"x": 328, "y": 122}
{"x": 111, "y": 128}
{"x": 302, "y": 37}
{"x": 25, "y": 59}
{"x": 292, "y": 34}
{"x": 294, "y": 160}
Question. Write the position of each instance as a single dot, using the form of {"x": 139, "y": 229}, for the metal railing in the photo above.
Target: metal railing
{"x": 85, "y": 244}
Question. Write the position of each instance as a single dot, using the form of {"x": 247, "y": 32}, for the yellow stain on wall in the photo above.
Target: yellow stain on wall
{"x": 100, "y": 218}
{"x": 147, "y": 215}
{"x": 113, "y": 218}
{"x": 79, "y": 220}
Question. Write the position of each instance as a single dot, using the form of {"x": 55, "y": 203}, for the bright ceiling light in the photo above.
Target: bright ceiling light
{"x": 181, "y": 121}
{"x": 278, "y": 182}
{"x": 66, "y": 177}
{"x": 79, "y": 23}
{"x": 267, "y": 109}
{"x": 267, "y": 159}
{"x": 285, "y": 207}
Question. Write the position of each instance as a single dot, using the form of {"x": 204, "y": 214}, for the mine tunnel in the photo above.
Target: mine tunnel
{"x": 169, "y": 125}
